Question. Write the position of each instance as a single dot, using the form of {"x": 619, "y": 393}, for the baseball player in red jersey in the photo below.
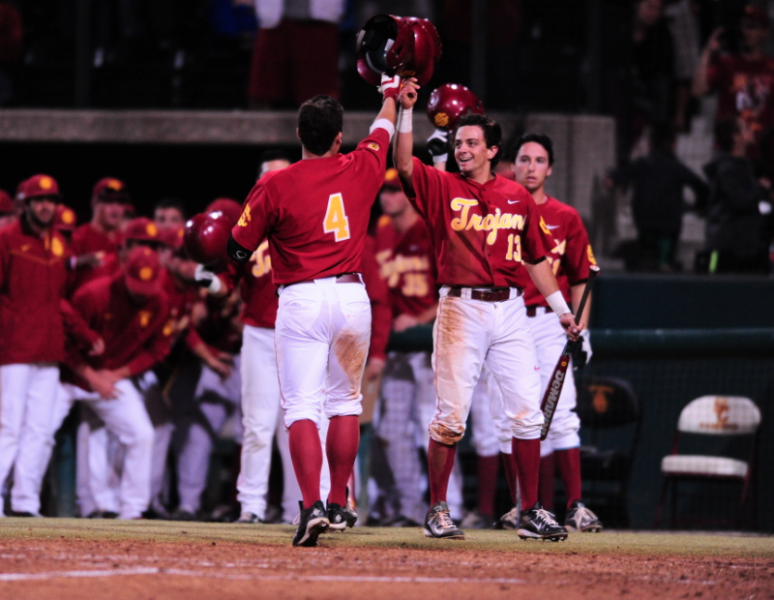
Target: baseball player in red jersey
{"x": 488, "y": 244}
{"x": 315, "y": 214}
{"x": 33, "y": 324}
{"x": 570, "y": 259}
{"x": 131, "y": 313}
{"x": 95, "y": 244}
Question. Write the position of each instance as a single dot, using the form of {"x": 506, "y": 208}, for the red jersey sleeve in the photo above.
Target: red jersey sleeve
{"x": 76, "y": 329}
{"x": 257, "y": 217}
{"x": 578, "y": 256}
{"x": 535, "y": 234}
{"x": 159, "y": 344}
{"x": 428, "y": 184}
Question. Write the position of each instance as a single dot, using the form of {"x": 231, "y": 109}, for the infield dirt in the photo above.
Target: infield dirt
{"x": 75, "y": 559}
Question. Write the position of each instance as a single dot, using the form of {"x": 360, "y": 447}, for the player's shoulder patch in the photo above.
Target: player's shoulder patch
{"x": 374, "y": 146}
{"x": 383, "y": 221}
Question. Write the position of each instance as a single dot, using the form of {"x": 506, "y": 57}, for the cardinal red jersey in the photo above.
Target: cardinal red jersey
{"x": 378, "y": 294}
{"x": 87, "y": 240}
{"x": 137, "y": 336}
{"x": 570, "y": 255}
{"x": 406, "y": 264}
{"x": 481, "y": 234}
{"x": 32, "y": 283}
{"x": 315, "y": 212}
{"x": 182, "y": 300}
{"x": 258, "y": 292}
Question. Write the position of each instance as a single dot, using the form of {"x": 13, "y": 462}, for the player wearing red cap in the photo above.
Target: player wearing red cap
{"x": 95, "y": 244}
{"x": 315, "y": 215}
{"x": 32, "y": 279}
{"x": 131, "y": 313}
{"x": 488, "y": 244}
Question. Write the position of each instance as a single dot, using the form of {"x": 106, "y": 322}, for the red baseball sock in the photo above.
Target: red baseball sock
{"x": 306, "y": 453}
{"x": 527, "y": 455}
{"x": 487, "y": 482}
{"x": 440, "y": 461}
{"x": 568, "y": 462}
{"x": 511, "y": 474}
{"x": 546, "y": 485}
{"x": 341, "y": 448}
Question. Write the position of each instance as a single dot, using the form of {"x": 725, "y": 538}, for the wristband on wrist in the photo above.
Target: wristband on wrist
{"x": 406, "y": 120}
{"x": 557, "y": 303}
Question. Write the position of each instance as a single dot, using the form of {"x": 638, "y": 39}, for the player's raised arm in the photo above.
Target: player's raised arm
{"x": 390, "y": 89}
{"x": 404, "y": 146}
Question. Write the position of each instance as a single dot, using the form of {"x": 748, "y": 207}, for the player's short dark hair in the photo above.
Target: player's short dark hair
{"x": 175, "y": 203}
{"x": 662, "y": 136}
{"x": 493, "y": 135}
{"x": 320, "y": 120}
{"x": 725, "y": 130}
{"x": 537, "y": 138}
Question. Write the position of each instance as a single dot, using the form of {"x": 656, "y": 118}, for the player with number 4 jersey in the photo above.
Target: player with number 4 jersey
{"x": 315, "y": 215}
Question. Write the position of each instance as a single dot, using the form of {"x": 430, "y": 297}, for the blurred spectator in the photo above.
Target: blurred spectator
{"x": 736, "y": 235}
{"x": 684, "y": 27}
{"x": 658, "y": 180}
{"x": 653, "y": 67}
{"x": 169, "y": 213}
{"x": 11, "y": 40}
{"x": 296, "y": 52}
{"x": 744, "y": 81}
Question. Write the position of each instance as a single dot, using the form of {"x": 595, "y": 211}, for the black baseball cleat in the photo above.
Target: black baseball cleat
{"x": 509, "y": 520}
{"x": 438, "y": 523}
{"x": 580, "y": 518}
{"x": 312, "y": 522}
{"x": 340, "y": 517}
{"x": 539, "y": 524}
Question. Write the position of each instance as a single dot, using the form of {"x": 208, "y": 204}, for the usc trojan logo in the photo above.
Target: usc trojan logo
{"x": 722, "y": 415}
{"x": 245, "y": 218}
{"x": 492, "y": 222}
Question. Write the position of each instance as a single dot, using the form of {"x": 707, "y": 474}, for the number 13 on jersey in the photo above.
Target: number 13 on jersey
{"x": 336, "y": 221}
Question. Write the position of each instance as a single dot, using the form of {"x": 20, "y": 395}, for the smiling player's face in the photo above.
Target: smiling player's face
{"x": 470, "y": 150}
{"x": 531, "y": 166}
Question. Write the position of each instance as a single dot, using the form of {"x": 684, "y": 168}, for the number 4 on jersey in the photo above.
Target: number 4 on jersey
{"x": 336, "y": 221}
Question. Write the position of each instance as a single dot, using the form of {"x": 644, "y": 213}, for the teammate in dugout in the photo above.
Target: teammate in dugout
{"x": 570, "y": 257}
{"x": 488, "y": 244}
{"x": 132, "y": 314}
{"x": 315, "y": 214}
{"x": 35, "y": 320}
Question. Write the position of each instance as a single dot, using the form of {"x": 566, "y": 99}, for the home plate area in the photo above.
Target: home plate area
{"x": 67, "y": 558}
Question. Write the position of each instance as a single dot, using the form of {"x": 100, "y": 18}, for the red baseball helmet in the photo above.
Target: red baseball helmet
{"x": 427, "y": 49}
{"x": 385, "y": 44}
{"x": 231, "y": 208}
{"x": 449, "y": 103}
{"x": 205, "y": 239}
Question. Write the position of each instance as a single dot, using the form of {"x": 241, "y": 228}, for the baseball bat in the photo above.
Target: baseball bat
{"x": 556, "y": 383}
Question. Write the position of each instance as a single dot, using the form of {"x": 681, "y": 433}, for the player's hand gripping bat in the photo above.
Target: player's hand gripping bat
{"x": 555, "y": 384}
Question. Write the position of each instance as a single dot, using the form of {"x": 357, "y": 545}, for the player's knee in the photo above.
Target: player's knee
{"x": 443, "y": 434}
{"x": 256, "y": 439}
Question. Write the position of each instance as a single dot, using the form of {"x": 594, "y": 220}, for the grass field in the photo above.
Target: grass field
{"x": 72, "y": 558}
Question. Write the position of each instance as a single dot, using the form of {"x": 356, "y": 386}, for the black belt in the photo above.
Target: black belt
{"x": 492, "y": 295}
{"x": 343, "y": 278}
{"x": 532, "y": 309}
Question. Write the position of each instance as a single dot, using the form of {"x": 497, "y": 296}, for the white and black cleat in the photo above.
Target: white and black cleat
{"x": 341, "y": 517}
{"x": 580, "y": 518}
{"x": 247, "y": 517}
{"x": 438, "y": 523}
{"x": 312, "y": 522}
{"x": 539, "y": 524}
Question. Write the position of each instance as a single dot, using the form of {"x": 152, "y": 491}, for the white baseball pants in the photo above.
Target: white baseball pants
{"x": 261, "y": 418}
{"x": 127, "y": 418}
{"x": 469, "y": 334}
{"x": 550, "y": 339}
{"x": 27, "y": 394}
